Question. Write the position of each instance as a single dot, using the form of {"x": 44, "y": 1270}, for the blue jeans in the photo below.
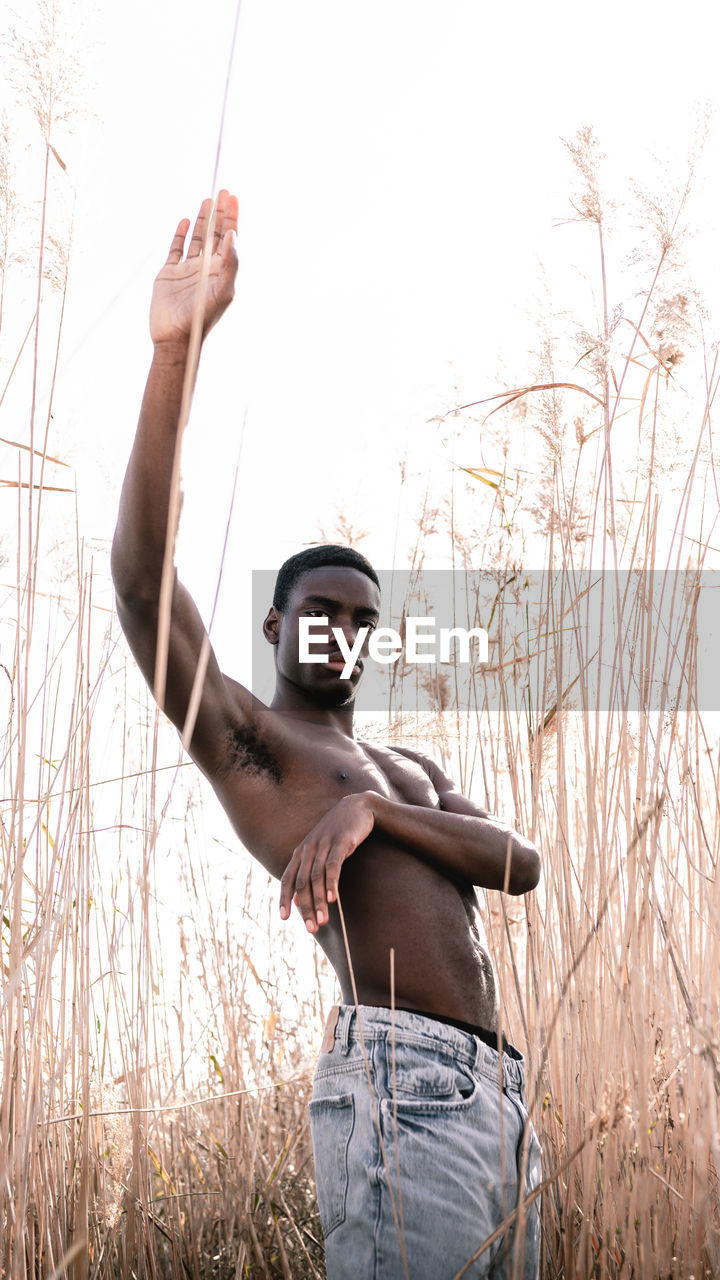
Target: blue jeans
{"x": 414, "y": 1173}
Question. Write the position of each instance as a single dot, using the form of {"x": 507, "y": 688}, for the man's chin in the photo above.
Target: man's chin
{"x": 330, "y": 693}
{"x": 339, "y": 694}
{"x": 335, "y": 692}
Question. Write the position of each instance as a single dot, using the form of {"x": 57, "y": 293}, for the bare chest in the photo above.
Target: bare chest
{"x": 275, "y": 794}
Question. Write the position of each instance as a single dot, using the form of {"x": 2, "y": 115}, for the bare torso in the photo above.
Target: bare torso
{"x": 280, "y": 779}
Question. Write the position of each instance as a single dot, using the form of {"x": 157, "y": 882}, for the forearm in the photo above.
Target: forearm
{"x": 483, "y": 851}
{"x": 139, "y": 542}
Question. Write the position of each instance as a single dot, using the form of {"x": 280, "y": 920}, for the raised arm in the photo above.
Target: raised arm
{"x": 139, "y": 543}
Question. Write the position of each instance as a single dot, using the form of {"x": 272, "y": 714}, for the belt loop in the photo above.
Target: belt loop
{"x": 521, "y": 1070}
{"x": 346, "y": 1017}
{"x": 513, "y": 1073}
{"x": 329, "y": 1036}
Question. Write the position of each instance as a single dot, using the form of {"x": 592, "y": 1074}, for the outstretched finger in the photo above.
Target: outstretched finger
{"x": 324, "y": 877}
{"x": 198, "y": 236}
{"x": 319, "y": 899}
{"x": 178, "y": 242}
{"x": 219, "y": 227}
{"x": 287, "y": 885}
{"x": 230, "y": 214}
{"x": 218, "y": 223}
{"x": 304, "y": 896}
{"x": 333, "y": 868}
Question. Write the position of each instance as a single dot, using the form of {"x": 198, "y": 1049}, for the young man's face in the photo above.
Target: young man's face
{"x": 350, "y": 601}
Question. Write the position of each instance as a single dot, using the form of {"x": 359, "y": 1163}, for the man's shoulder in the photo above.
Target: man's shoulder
{"x": 443, "y": 784}
{"x": 418, "y": 757}
{"x": 390, "y": 752}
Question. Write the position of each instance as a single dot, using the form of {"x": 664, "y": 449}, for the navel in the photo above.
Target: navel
{"x": 342, "y": 775}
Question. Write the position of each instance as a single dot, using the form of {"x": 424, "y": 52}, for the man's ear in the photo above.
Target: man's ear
{"x": 271, "y": 625}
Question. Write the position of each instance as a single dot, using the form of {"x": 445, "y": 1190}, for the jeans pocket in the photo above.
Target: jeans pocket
{"x": 331, "y": 1124}
{"x": 414, "y": 1074}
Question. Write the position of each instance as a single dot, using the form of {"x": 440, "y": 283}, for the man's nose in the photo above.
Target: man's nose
{"x": 350, "y": 629}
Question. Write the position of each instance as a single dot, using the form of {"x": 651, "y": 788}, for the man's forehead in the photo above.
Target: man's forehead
{"x": 337, "y": 582}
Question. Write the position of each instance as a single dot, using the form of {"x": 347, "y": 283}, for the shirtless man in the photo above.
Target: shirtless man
{"x": 416, "y": 1172}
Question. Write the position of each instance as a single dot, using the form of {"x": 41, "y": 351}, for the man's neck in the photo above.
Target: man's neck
{"x": 294, "y": 703}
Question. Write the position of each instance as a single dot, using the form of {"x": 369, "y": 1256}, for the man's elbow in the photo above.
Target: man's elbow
{"x": 120, "y": 569}
{"x": 137, "y": 586}
{"x": 525, "y": 870}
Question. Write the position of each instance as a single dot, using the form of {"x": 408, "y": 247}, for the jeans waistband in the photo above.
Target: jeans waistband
{"x": 346, "y": 1026}
{"x": 490, "y": 1037}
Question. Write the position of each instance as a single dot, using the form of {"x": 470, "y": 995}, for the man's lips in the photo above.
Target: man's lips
{"x": 336, "y": 662}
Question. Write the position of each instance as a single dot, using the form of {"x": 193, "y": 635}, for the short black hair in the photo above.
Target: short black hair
{"x": 329, "y": 553}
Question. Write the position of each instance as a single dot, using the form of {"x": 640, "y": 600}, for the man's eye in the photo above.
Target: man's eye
{"x": 369, "y": 624}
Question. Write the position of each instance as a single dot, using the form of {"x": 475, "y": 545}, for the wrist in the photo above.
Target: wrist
{"x": 371, "y": 801}
{"x": 169, "y": 352}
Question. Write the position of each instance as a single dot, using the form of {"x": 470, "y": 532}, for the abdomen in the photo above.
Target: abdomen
{"x": 391, "y": 899}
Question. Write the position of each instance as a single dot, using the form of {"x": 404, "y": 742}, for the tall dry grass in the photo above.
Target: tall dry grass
{"x": 604, "y": 459}
{"x": 157, "y": 1047}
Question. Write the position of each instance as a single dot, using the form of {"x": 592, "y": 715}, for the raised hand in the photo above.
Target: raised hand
{"x": 311, "y": 876}
{"x": 175, "y": 290}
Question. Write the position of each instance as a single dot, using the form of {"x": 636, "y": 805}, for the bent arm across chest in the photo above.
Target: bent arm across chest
{"x": 468, "y": 845}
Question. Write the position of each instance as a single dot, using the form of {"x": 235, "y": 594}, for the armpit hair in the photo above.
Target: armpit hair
{"x": 247, "y": 751}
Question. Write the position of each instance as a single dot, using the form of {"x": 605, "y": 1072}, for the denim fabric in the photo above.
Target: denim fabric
{"x": 422, "y": 1167}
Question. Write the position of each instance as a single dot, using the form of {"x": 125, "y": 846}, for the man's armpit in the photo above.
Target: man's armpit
{"x": 247, "y": 752}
